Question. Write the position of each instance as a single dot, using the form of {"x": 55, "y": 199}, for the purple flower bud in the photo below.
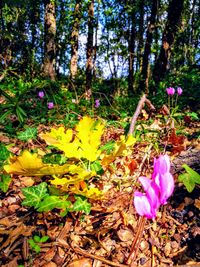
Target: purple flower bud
{"x": 97, "y": 103}
{"x": 50, "y": 105}
{"x": 179, "y": 91}
{"x": 41, "y": 94}
{"x": 170, "y": 91}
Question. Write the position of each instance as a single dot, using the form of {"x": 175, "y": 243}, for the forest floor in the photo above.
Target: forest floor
{"x": 112, "y": 234}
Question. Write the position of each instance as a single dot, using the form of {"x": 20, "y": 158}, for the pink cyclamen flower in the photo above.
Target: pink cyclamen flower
{"x": 163, "y": 178}
{"x": 179, "y": 91}
{"x": 50, "y": 105}
{"x": 170, "y": 91}
{"x": 146, "y": 204}
{"x": 143, "y": 205}
{"x": 97, "y": 103}
{"x": 157, "y": 190}
{"x": 41, "y": 94}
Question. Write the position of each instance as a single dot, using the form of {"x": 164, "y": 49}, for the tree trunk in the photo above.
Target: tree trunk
{"x": 74, "y": 39}
{"x": 174, "y": 15}
{"x": 49, "y": 40}
{"x": 144, "y": 82}
{"x": 131, "y": 51}
{"x": 140, "y": 35}
{"x": 96, "y": 40}
{"x": 89, "y": 55}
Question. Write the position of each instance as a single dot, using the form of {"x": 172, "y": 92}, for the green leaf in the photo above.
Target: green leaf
{"x": 52, "y": 202}
{"x": 194, "y": 176}
{"x": 36, "y": 238}
{"x": 44, "y": 239}
{"x": 4, "y": 154}
{"x": 34, "y": 246}
{"x": 108, "y": 147}
{"x": 20, "y": 114}
{"x": 82, "y": 204}
{"x": 37, "y": 248}
{"x": 34, "y": 195}
{"x": 53, "y": 158}
{"x": 190, "y": 178}
{"x": 28, "y": 134}
{"x": 96, "y": 166}
{"x": 188, "y": 183}
{"x": 5, "y": 182}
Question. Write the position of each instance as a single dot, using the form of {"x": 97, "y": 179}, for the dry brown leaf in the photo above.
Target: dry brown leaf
{"x": 85, "y": 262}
{"x": 50, "y": 264}
{"x": 125, "y": 234}
{"x": 21, "y": 229}
{"x": 12, "y": 263}
{"x": 197, "y": 203}
{"x": 48, "y": 256}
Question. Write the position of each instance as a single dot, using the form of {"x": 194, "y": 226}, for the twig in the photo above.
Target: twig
{"x": 140, "y": 105}
{"x": 111, "y": 263}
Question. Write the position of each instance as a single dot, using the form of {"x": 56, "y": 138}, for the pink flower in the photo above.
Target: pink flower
{"x": 157, "y": 190}
{"x": 143, "y": 205}
{"x": 170, "y": 91}
{"x": 163, "y": 178}
{"x": 147, "y": 204}
{"x": 41, "y": 94}
{"x": 179, "y": 91}
{"x": 97, "y": 103}
{"x": 161, "y": 165}
{"x": 50, "y": 105}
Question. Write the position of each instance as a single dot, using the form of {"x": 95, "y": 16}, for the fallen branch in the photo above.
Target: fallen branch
{"x": 140, "y": 106}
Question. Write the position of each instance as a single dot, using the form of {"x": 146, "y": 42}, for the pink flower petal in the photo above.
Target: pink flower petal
{"x": 161, "y": 165}
{"x": 152, "y": 191}
{"x": 142, "y": 205}
{"x": 165, "y": 183}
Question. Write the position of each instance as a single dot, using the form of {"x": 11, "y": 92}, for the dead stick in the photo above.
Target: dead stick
{"x": 111, "y": 263}
{"x": 140, "y": 105}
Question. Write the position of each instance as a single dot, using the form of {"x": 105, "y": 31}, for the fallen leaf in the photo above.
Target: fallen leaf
{"x": 197, "y": 203}
{"x": 85, "y": 262}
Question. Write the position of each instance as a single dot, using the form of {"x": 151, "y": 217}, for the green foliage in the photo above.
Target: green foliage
{"x": 5, "y": 180}
{"x": 34, "y": 195}
{"x": 81, "y": 204}
{"x": 38, "y": 197}
{"x": 4, "y": 155}
{"x": 52, "y": 202}
{"x": 36, "y": 241}
{"x": 54, "y": 158}
{"x": 28, "y": 134}
{"x": 190, "y": 178}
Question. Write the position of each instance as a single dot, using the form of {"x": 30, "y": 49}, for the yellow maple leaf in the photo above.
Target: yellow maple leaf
{"x": 84, "y": 144}
{"x": 31, "y": 165}
{"x": 89, "y": 133}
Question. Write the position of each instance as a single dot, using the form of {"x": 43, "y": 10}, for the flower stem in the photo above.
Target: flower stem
{"x": 136, "y": 243}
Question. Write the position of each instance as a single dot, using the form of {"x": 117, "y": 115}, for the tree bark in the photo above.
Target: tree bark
{"x": 174, "y": 15}
{"x": 89, "y": 55}
{"x": 74, "y": 40}
{"x": 131, "y": 51}
{"x": 144, "y": 81}
{"x": 140, "y": 35}
{"x": 49, "y": 40}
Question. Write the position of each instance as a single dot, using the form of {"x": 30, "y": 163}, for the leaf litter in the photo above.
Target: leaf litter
{"x": 110, "y": 232}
